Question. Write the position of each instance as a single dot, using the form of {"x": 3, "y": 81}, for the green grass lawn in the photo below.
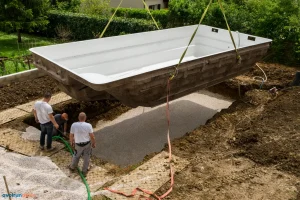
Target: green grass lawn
{"x": 10, "y": 48}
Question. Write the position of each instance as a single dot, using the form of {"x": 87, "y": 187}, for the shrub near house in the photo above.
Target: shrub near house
{"x": 84, "y": 26}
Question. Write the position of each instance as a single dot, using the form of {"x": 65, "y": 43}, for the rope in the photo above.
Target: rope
{"x": 169, "y": 142}
{"x": 191, "y": 39}
{"x": 261, "y": 78}
{"x": 79, "y": 171}
{"x": 110, "y": 19}
{"x": 147, "y": 8}
{"x": 238, "y": 57}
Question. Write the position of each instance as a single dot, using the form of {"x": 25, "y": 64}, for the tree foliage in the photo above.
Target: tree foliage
{"x": 95, "y": 7}
{"x": 278, "y": 20}
{"x": 21, "y": 15}
{"x": 66, "y": 5}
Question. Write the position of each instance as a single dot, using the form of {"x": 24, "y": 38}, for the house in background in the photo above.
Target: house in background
{"x": 153, "y": 4}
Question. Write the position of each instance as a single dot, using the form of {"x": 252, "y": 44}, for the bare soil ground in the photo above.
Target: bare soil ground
{"x": 249, "y": 151}
{"x": 22, "y": 92}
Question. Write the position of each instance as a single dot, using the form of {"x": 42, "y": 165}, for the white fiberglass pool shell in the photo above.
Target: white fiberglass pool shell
{"x": 106, "y": 64}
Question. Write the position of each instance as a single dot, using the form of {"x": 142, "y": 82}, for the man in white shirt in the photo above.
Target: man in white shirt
{"x": 83, "y": 139}
{"x": 43, "y": 114}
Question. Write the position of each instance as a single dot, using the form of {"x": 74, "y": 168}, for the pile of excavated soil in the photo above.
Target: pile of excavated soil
{"x": 278, "y": 76}
{"x": 273, "y": 138}
{"x": 22, "y": 92}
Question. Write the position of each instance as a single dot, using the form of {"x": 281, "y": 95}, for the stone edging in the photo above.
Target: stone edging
{"x": 21, "y": 76}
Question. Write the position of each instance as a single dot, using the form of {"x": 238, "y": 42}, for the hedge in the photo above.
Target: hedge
{"x": 161, "y": 16}
{"x": 84, "y": 26}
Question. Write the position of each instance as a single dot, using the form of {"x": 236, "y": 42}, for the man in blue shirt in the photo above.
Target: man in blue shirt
{"x": 61, "y": 120}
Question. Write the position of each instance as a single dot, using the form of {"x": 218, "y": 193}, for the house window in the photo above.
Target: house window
{"x": 152, "y": 7}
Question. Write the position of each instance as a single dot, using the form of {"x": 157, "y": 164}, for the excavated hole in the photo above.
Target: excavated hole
{"x": 93, "y": 110}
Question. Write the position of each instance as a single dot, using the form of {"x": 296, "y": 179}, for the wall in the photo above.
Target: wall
{"x": 136, "y": 3}
{"x": 21, "y": 76}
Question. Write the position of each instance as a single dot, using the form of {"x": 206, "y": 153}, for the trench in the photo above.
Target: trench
{"x": 95, "y": 110}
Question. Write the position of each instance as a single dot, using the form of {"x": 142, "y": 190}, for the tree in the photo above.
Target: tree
{"x": 23, "y": 15}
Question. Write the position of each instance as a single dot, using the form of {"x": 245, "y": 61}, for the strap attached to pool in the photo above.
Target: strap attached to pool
{"x": 111, "y": 18}
{"x": 192, "y": 38}
{"x": 147, "y": 8}
{"x": 238, "y": 57}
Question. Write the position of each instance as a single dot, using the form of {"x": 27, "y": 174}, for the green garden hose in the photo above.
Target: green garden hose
{"x": 79, "y": 171}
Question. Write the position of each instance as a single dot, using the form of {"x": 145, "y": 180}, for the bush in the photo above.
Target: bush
{"x": 84, "y": 26}
{"x": 183, "y": 12}
{"x": 95, "y": 7}
{"x": 160, "y": 16}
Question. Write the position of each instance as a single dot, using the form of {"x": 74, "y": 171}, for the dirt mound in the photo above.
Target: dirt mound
{"x": 22, "y": 92}
{"x": 274, "y": 136}
{"x": 278, "y": 76}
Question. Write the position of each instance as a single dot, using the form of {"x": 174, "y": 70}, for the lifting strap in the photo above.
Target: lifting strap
{"x": 238, "y": 57}
{"x": 111, "y": 18}
{"x": 147, "y": 8}
{"x": 191, "y": 39}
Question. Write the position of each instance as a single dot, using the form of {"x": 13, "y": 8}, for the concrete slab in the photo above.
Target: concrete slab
{"x": 57, "y": 98}
{"x": 10, "y": 114}
{"x": 96, "y": 177}
{"x": 12, "y": 139}
{"x": 141, "y": 131}
{"x": 149, "y": 176}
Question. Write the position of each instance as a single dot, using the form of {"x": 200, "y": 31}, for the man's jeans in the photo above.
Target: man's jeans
{"x": 296, "y": 81}
{"x": 46, "y": 129}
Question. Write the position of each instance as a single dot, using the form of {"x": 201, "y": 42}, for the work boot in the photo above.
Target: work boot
{"x": 71, "y": 169}
{"x": 51, "y": 149}
{"x": 84, "y": 174}
{"x": 90, "y": 167}
{"x": 42, "y": 147}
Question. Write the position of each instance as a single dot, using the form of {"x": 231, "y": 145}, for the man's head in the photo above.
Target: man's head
{"x": 82, "y": 117}
{"x": 64, "y": 116}
{"x": 47, "y": 96}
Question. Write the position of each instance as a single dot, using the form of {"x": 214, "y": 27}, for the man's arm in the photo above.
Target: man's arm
{"x": 72, "y": 141}
{"x": 52, "y": 119}
{"x": 65, "y": 127}
{"x": 35, "y": 116}
{"x": 92, "y": 136}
